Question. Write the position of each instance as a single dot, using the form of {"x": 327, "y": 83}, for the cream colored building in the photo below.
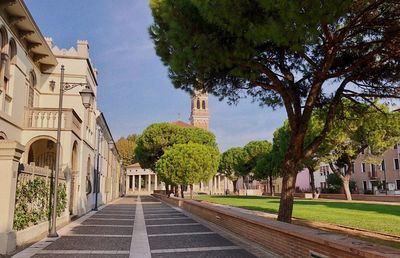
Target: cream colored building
{"x": 28, "y": 119}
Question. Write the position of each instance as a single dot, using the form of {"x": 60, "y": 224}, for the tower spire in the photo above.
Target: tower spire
{"x": 199, "y": 116}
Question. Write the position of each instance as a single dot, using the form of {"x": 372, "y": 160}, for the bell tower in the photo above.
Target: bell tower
{"x": 199, "y": 115}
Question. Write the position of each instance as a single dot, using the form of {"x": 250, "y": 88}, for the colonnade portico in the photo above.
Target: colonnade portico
{"x": 139, "y": 180}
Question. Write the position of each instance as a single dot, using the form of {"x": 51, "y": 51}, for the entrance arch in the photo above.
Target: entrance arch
{"x": 42, "y": 151}
{"x": 74, "y": 173}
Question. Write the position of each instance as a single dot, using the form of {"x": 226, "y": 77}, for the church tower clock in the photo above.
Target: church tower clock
{"x": 199, "y": 115}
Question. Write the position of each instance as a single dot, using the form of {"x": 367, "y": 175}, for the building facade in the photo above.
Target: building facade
{"x": 30, "y": 72}
{"x": 378, "y": 179}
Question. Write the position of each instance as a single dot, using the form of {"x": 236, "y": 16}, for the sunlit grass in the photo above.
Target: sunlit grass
{"x": 374, "y": 217}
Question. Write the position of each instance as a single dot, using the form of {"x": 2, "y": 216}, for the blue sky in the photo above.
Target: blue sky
{"x": 134, "y": 89}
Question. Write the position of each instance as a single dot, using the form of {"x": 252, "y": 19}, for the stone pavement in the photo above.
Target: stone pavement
{"x": 137, "y": 227}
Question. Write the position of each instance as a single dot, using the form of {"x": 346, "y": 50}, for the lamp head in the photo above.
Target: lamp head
{"x": 87, "y": 96}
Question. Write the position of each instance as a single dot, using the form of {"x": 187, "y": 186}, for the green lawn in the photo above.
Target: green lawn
{"x": 373, "y": 217}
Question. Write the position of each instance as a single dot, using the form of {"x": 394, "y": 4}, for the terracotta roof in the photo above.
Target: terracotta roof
{"x": 134, "y": 165}
{"x": 181, "y": 124}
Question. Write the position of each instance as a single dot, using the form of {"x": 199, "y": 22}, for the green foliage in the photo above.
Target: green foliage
{"x": 126, "y": 147}
{"x": 251, "y": 153}
{"x": 32, "y": 202}
{"x": 361, "y": 126}
{"x": 156, "y": 138}
{"x": 334, "y": 182}
{"x": 185, "y": 164}
{"x": 229, "y": 162}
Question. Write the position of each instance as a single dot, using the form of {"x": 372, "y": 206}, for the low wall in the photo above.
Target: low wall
{"x": 33, "y": 233}
{"x": 363, "y": 197}
{"x": 284, "y": 239}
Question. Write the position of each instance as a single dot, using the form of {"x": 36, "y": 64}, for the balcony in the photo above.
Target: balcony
{"x": 47, "y": 118}
{"x": 373, "y": 175}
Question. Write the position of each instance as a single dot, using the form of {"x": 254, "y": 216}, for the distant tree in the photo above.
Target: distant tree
{"x": 360, "y": 128}
{"x": 187, "y": 164}
{"x": 248, "y": 159}
{"x": 157, "y": 138}
{"x": 302, "y": 55}
{"x": 126, "y": 147}
{"x": 229, "y": 163}
{"x": 153, "y": 142}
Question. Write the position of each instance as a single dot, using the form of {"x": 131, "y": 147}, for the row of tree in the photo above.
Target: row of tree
{"x": 361, "y": 129}
{"x": 180, "y": 156}
{"x": 306, "y": 56}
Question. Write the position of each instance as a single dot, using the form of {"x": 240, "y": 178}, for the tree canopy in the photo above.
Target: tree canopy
{"x": 252, "y": 151}
{"x": 156, "y": 138}
{"x": 302, "y": 55}
{"x": 126, "y": 147}
{"x": 187, "y": 164}
{"x": 362, "y": 127}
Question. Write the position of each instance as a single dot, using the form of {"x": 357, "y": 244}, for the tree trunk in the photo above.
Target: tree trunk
{"x": 234, "y": 186}
{"x": 287, "y": 194}
{"x": 346, "y": 186}
{"x": 312, "y": 181}
{"x": 176, "y": 193}
{"x": 271, "y": 186}
{"x": 182, "y": 192}
{"x": 191, "y": 191}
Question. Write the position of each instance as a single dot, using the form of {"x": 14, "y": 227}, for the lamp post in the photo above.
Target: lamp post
{"x": 96, "y": 174}
{"x": 86, "y": 95}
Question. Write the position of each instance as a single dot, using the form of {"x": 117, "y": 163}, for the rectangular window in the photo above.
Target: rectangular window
{"x": 383, "y": 165}
{"x": 363, "y": 167}
{"x": 365, "y": 185}
{"x": 373, "y": 168}
{"x": 396, "y": 164}
{"x": 352, "y": 167}
{"x": 398, "y": 184}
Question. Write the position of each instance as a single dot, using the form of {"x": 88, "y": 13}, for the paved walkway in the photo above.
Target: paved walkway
{"x": 136, "y": 227}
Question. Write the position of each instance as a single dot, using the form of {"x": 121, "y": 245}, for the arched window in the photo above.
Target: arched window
{"x": 3, "y": 136}
{"x": 12, "y": 51}
{"x": 198, "y": 104}
{"x": 32, "y": 85}
{"x": 204, "y": 104}
{"x": 9, "y": 60}
{"x": 4, "y": 58}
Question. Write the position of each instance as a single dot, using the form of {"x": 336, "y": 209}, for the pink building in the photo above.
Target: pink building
{"x": 303, "y": 181}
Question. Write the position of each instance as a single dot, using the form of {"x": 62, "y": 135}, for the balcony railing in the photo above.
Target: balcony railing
{"x": 47, "y": 119}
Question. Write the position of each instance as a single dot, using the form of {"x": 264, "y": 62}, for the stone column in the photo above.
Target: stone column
{"x": 219, "y": 183}
{"x": 126, "y": 184}
{"x": 215, "y": 184}
{"x": 140, "y": 183}
{"x": 155, "y": 182}
{"x": 149, "y": 183}
{"x": 10, "y": 154}
{"x": 133, "y": 183}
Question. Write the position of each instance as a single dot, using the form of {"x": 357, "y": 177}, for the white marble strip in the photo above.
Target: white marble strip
{"x": 182, "y": 234}
{"x": 170, "y": 225}
{"x": 167, "y": 218}
{"x": 94, "y": 235}
{"x": 197, "y": 249}
{"x": 83, "y": 252}
{"x": 140, "y": 242}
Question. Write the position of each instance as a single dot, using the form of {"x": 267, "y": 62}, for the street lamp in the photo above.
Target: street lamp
{"x": 87, "y": 95}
